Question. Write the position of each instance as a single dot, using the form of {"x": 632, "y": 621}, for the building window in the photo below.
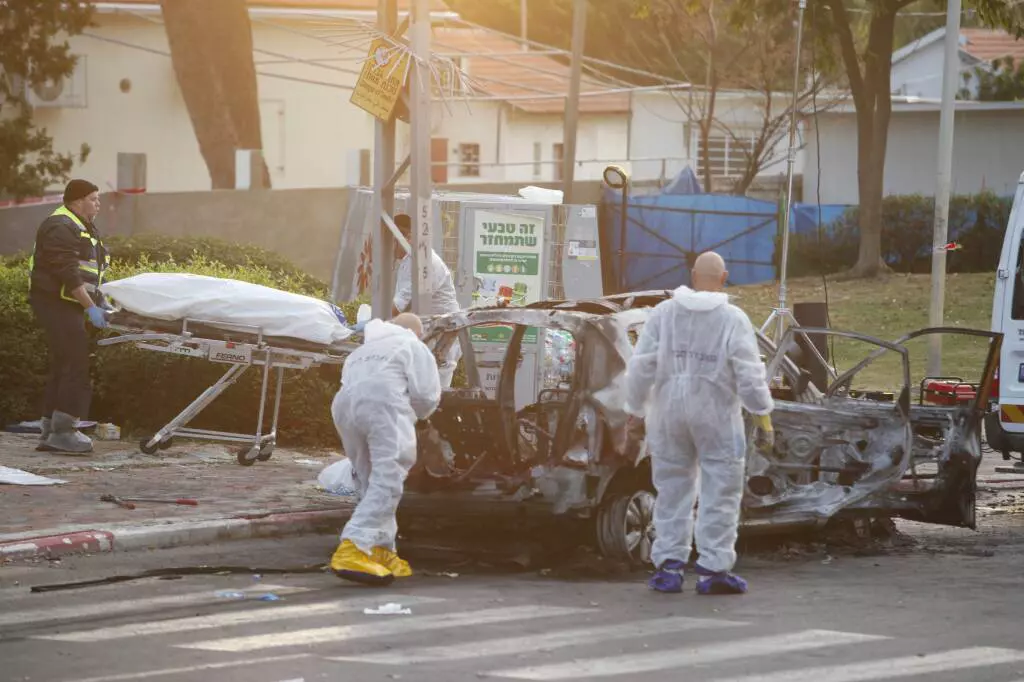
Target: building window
{"x": 538, "y": 157}
{"x": 558, "y": 151}
{"x": 469, "y": 160}
{"x": 727, "y": 151}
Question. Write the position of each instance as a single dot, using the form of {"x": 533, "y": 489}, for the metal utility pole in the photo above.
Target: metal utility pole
{"x": 950, "y": 78}
{"x": 384, "y": 188}
{"x": 522, "y": 24}
{"x": 572, "y": 105}
{"x": 420, "y": 92}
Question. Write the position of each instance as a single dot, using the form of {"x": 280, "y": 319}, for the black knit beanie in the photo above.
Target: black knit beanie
{"x": 78, "y": 189}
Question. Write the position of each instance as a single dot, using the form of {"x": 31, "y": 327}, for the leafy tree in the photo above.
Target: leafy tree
{"x": 712, "y": 44}
{"x": 1003, "y": 81}
{"x": 211, "y": 50}
{"x": 34, "y": 51}
{"x": 856, "y": 36}
{"x": 863, "y": 32}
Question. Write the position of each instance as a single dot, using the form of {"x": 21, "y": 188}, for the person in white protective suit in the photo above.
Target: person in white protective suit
{"x": 386, "y": 385}
{"x": 695, "y": 365}
{"x": 442, "y": 293}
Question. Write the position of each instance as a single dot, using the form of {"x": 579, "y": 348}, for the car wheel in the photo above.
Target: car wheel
{"x": 625, "y": 526}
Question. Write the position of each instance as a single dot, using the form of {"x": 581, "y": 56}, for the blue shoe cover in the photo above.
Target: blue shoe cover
{"x": 668, "y": 578}
{"x": 712, "y": 583}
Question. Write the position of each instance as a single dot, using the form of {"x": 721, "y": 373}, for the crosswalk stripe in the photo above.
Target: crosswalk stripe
{"x": 45, "y": 614}
{"x": 542, "y": 642}
{"x": 165, "y": 672}
{"x": 263, "y": 614}
{"x": 690, "y": 655}
{"x": 891, "y": 668}
{"x": 399, "y": 626}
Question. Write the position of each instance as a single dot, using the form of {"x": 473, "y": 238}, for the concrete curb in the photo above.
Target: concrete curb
{"x": 163, "y": 535}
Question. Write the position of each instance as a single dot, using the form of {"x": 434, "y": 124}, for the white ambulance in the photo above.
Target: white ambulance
{"x": 1004, "y": 425}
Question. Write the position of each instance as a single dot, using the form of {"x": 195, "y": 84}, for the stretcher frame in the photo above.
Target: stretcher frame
{"x": 240, "y": 347}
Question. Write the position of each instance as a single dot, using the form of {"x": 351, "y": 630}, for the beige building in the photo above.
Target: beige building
{"x": 124, "y": 97}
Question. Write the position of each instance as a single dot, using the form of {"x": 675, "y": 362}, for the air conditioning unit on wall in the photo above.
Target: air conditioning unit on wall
{"x": 66, "y": 93}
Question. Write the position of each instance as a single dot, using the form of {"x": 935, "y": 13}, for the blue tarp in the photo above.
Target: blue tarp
{"x": 686, "y": 183}
{"x": 664, "y": 233}
{"x": 804, "y": 218}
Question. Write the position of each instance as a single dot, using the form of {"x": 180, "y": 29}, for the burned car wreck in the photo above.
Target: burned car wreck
{"x": 545, "y": 437}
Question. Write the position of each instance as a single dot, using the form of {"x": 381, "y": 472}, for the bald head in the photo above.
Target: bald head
{"x": 709, "y": 273}
{"x": 409, "y": 321}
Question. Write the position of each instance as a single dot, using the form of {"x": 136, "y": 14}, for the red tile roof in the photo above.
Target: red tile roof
{"x": 435, "y": 5}
{"x": 987, "y": 45}
{"x": 516, "y": 75}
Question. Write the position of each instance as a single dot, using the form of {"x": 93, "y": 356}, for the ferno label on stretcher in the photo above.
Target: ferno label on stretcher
{"x": 231, "y": 353}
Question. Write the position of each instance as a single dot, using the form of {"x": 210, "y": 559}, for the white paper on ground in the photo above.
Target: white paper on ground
{"x": 19, "y": 477}
{"x": 177, "y": 296}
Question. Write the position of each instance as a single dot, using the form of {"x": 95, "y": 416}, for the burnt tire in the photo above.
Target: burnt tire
{"x": 625, "y": 526}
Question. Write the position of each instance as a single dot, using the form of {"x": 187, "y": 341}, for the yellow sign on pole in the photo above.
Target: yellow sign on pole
{"x": 380, "y": 82}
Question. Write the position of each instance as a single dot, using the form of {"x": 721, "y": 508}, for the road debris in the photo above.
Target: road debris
{"x": 18, "y": 477}
{"x": 390, "y": 609}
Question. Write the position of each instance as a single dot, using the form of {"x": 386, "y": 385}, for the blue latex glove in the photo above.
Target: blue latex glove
{"x": 97, "y": 316}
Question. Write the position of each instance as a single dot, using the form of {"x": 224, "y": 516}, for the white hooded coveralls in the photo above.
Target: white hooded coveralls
{"x": 695, "y": 365}
{"x": 443, "y": 301}
{"x": 386, "y": 385}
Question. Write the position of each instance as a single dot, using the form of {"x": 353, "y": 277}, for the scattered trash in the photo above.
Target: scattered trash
{"x": 117, "y": 500}
{"x": 338, "y": 478}
{"x": 107, "y": 432}
{"x": 235, "y": 594}
{"x": 229, "y": 594}
{"x": 308, "y": 462}
{"x": 827, "y": 559}
{"x": 257, "y": 577}
{"x": 19, "y": 477}
{"x": 390, "y": 609}
{"x": 448, "y": 574}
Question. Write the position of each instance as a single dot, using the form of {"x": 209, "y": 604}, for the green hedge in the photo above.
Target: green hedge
{"x": 976, "y": 221}
{"x": 141, "y": 390}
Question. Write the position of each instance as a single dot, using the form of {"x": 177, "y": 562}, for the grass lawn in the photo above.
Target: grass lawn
{"x": 888, "y": 308}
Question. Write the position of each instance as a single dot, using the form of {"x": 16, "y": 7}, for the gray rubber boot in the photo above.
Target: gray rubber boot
{"x": 46, "y": 431}
{"x": 65, "y": 437}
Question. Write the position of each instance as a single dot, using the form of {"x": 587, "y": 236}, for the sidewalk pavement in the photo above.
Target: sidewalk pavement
{"x": 273, "y": 498}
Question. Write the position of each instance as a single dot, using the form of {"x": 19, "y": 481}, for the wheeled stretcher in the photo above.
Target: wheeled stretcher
{"x": 236, "y": 345}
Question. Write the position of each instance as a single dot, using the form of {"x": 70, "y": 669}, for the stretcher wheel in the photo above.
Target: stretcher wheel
{"x": 247, "y": 456}
{"x": 266, "y": 451}
{"x": 166, "y": 443}
{"x": 147, "y": 448}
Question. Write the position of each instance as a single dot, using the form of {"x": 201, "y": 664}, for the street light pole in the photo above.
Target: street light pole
{"x": 572, "y": 104}
{"x": 950, "y": 79}
{"x": 522, "y": 24}
{"x": 420, "y": 90}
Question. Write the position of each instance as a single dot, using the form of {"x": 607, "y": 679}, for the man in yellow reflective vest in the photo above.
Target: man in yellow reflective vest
{"x": 67, "y": 267}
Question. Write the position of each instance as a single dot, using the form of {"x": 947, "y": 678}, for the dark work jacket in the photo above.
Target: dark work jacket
{"x": 68, "y": 253}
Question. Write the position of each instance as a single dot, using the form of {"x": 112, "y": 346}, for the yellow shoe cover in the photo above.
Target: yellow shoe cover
{"x": 398, "y": 566}
{"x": 351, "y": 563}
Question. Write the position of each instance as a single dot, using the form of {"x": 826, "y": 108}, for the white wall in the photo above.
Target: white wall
{"x": 307, "y": 128}
{"x": 600, "y": 141}
{"x": 659, "y": 131}
{"x": 988, "y": 152}
{"x": 920, "y": 74}
{"x": 509, "y": 157}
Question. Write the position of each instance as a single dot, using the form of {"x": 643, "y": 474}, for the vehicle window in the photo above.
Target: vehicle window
{"x": 1017, "y": 307}
{"x": 488, "y": 346}
{"x": 559, "y": 360}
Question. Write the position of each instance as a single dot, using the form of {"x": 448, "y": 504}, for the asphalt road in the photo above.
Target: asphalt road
{"x": 946, "y": 609}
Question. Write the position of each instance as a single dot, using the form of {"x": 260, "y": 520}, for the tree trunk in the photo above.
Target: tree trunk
{"x": 873, "y": 101}
{"x": 211, "y": 51}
